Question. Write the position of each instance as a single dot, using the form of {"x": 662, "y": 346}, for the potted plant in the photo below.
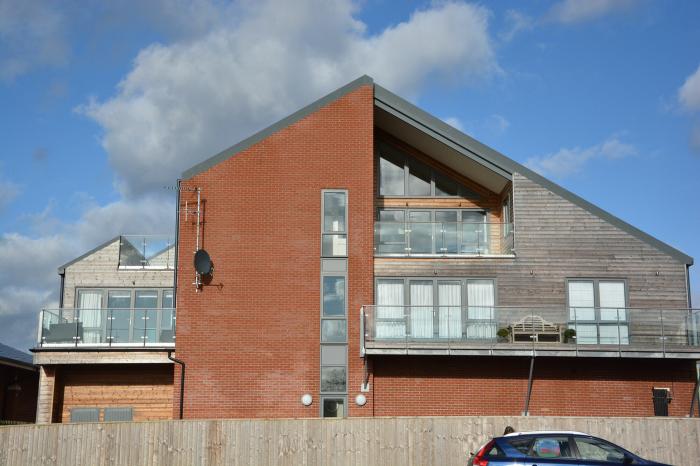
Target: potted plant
{"x": 503, "y": 335}
{"x": 569, "y": 335}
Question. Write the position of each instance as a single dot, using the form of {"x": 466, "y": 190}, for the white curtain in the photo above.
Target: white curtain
{"x": 390, "y": 309}
{"x": 450, "y": 309}
{"x": 612, "y": 300}
{"x": 480, "y": 297}
{"x": 421, "y": 295}
{"x": 90, "y": 304}
{"x": 581, "y": 302}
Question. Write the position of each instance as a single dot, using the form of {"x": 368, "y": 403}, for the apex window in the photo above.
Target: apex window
{"x": 403, "y": 176}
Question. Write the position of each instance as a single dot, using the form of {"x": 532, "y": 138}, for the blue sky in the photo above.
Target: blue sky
{"x": 104, "y": 105}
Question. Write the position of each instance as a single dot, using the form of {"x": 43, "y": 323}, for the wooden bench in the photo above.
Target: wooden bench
{"x": 535, "y": 328}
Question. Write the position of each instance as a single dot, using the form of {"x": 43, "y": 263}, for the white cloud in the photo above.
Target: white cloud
{"x": 577, "y": 11}
{"x": 517, "y": 22}
{"x": 496, "y": 124}
{"x": 32, "y": 34}
{"x": 184, "y": 102}
{"x": 567, "y": 161}
{"x": 689, "y": 92}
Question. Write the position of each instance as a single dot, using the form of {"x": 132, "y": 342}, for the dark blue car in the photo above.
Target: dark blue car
{"x": 553, "y": 449}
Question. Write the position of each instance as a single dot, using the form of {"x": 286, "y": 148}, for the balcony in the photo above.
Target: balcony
{"x": 146, "y": 252}
{"x": 441, "y": 239}
{"x": 106, "y": 328}
{"x": 545, "y": 331}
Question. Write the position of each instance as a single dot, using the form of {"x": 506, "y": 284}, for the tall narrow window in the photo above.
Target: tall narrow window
{"x": 507, "y": 215}
{"x": 480, "y": 297}
{"x": 90, "y": 304}
{"x": 391, "y": 322}
{"x": 334, "y": 224}
{"x": 421, "y": 296}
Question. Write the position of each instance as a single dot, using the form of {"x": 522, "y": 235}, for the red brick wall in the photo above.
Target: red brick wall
{"x": 251, "y": 337}
{"x": 436, "y": 386}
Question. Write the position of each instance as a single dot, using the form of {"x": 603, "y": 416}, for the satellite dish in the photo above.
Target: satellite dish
{"x": 202, "y": 262}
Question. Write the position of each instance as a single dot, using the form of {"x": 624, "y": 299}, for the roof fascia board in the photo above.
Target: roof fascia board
{"x": 283, "y": 123}
{"x": 62, "y": 268}
{"x": 489, "y": 157}
{"x": 17, "y": 364}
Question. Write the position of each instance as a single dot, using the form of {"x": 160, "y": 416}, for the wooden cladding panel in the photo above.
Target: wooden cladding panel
{"x": 556, "y": 240}
{"x": 148, "y": 389}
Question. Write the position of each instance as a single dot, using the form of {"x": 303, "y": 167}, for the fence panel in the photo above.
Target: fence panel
{"x": 366, "y": 441}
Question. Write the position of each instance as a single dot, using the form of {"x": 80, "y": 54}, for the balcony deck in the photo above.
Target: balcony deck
{"x": 633, "y": 333}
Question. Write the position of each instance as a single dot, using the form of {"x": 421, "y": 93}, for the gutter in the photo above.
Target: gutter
{"x": 177, "y": 245}
{"x": 182, "y": 381}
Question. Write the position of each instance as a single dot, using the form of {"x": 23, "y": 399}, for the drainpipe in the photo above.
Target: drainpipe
{"x": 529, "y": 387}
{"x": 177, "y": 240}
{"x": 182, "y": 381}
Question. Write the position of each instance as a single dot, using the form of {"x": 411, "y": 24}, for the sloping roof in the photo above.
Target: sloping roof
{"x": 15, "y": 356}
{"x": 62, "y": 268}
{"x": 446, "y": 134}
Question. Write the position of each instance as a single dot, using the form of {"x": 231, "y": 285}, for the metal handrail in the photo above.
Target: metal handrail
{"x": 443, "y": 238}
{"x": 96, "y": 327}
{"x": 665, "y": 329}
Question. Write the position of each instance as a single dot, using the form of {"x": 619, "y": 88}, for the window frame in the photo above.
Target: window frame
{"x": 105, "y": 326}
{"x": 325, "y": 233}
{"x": 433, "y": 211}
{"x": 464, "y": 298}
{"x": 598, "y": 322}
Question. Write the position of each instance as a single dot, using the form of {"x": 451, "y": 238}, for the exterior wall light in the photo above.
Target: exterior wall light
{"x": 307, "y": 399}
{"x": 360, "y": 400}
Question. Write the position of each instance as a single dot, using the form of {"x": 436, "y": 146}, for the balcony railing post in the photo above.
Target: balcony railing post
{"x": 619, "y": 336}
{"x": 663, "y": 333}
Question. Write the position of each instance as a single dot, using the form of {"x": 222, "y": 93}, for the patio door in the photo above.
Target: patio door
{"x": 90, "y": 308}
{"x": 450, "y": 308}
{"x": 390, "y": 318}
{"x": 480, "y": 311}
{"x": 421, "y": 296}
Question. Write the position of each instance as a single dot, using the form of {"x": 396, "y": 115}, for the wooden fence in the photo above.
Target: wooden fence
{"x": 355, "y": 441}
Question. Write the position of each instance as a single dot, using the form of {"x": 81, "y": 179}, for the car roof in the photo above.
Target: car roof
{"x": 547, "y": 432}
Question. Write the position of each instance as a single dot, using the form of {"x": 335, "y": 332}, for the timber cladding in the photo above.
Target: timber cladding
{"x": 556, "y": 240}
{"x": 147, "y": 389}
{"x": 358, "y": 441}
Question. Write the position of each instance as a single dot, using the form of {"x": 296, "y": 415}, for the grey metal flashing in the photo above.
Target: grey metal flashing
{"x": 283, "y": 123}
{"x": 62, "y": 268}
{"x": 503, "y": 165}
